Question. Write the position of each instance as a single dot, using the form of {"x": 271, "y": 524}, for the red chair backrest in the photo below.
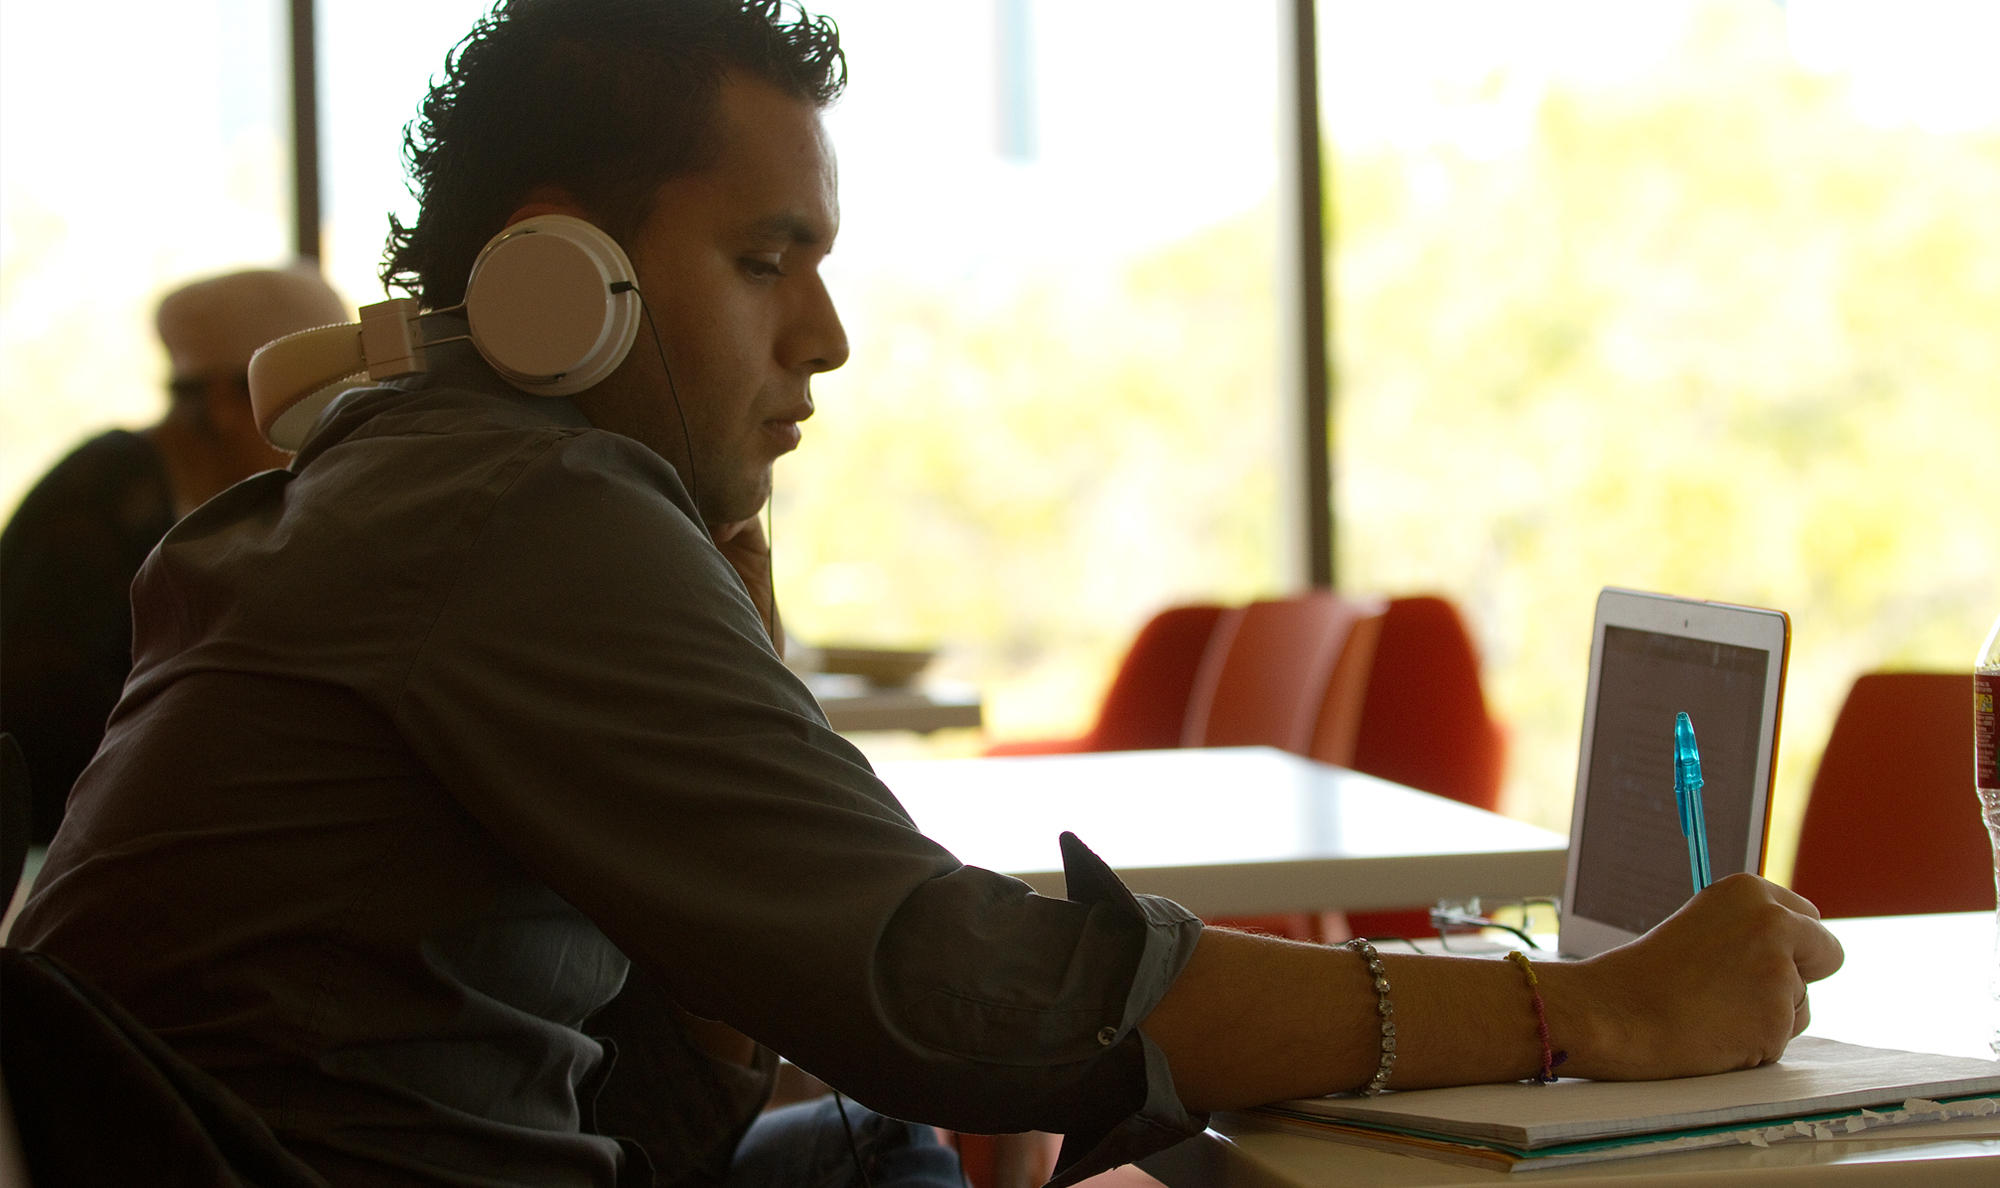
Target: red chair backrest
{"x": 1423, "y": 719}
{"x": 1265, "y": 677}
{"x": 1146, "y": 706}
{"x": 1893, "y": 827}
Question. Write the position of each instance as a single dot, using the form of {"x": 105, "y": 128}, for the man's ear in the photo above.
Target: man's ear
{"x": 546, "y": 200}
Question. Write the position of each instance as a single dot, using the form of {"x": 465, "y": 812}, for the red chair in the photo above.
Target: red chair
{"x": 1893, "y": 827}
{"x": 1267, "y": 678}
{"x": 1146, "y": 706}
{"x": 1424, "y": 724}
{"x": 1285, "y": 673}
{"x": 1423, "y": 719}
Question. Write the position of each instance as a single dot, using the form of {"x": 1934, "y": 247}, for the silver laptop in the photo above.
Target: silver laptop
{"x": 1651, "y": 658}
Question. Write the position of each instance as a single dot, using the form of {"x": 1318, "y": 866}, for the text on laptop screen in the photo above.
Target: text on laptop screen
{"x": 1634, "y": 872}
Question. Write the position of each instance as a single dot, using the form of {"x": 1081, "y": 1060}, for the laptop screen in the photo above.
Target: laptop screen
{"x": 1633, "y": 869}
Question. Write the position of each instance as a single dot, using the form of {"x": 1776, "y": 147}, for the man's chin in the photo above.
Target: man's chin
{"x": 737, "y": 503}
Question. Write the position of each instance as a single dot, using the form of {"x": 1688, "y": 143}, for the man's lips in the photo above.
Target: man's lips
{"x": 784, "y": 434}
{"x": 781, "y": 429}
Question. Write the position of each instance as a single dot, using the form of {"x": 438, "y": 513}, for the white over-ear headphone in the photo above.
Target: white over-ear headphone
{"x": 553, "y": 307}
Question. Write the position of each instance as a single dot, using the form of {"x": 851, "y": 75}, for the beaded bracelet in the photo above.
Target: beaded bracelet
{"x": 1549, "y": 1058}
{"x": 1380, "y": 976}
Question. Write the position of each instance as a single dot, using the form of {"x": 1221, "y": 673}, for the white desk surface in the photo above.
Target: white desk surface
{"x": 1914, "y": 982}
{"x": 1229, "y": 831}
{"x": 851, "y": 705}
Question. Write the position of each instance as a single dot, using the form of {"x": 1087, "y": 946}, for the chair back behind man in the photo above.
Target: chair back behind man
{"x": 1146, "y": 706}
{"x": 1273, "y": 675}
{"x": 1424, "y": 722}
{"x": 99, "y": 1099}
{"x": 1893, "y": 827}
{"x": 15, "y": 801}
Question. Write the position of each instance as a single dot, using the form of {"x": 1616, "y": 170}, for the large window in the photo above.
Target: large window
{"x": 1058, "y": 270}
{"x": 376, "y": 61}
{"x": 135, "y": 153}
{"x": 1693, "y": 297}
{"x": 1688, "y": 295}
{"x": 1057, "y": 267}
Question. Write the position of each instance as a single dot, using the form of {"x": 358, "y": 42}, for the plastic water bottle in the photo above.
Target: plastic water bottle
{"x": 1986, "y": 782}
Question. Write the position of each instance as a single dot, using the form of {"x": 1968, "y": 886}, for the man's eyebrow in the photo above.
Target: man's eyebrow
{"x": 792, "y": 228}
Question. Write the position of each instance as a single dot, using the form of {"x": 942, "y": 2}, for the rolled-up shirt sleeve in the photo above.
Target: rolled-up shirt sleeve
{"x": 593, "y": 685}
{"x": 1159, "y": 1119}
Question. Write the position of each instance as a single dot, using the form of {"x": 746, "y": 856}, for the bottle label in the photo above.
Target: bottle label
{"x": 1985, "y": 775}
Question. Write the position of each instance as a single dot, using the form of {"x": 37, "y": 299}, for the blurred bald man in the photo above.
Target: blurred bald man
{"x": 68, "y": 557}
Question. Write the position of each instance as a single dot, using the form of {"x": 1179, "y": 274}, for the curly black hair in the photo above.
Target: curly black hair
{"x": 604, "y": 98}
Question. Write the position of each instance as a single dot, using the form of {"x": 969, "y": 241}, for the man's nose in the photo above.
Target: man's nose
{"x": 816, "y": 341}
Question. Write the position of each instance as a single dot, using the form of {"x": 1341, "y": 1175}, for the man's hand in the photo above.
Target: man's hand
{"x": 749, "y": 554}
{"x": 1719, "y": 985}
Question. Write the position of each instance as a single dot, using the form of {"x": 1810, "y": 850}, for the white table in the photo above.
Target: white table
{"x": 1227, "y": 832}
{"x": 851, "y": 705}
{"x": 1914, "y": 982}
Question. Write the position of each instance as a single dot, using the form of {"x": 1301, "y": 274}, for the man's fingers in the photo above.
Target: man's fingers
{"x": 1816, "y": 951}
{"x": 1786, "y": 897}
{"x": 751, "y": 531}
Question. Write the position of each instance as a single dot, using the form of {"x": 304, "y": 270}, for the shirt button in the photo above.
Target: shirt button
{"x": 1105, "y": 1036}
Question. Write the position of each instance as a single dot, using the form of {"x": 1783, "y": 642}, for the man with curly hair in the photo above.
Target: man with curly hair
{"x": 461, "y": 818}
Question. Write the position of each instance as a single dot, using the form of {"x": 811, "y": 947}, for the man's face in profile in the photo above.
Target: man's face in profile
{"x": 729, "y": 262}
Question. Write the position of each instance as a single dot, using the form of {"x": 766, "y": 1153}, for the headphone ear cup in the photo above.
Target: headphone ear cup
{"x": 553, "y": 305}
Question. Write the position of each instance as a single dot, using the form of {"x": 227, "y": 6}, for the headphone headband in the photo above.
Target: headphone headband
{"x": 553, "y": 307}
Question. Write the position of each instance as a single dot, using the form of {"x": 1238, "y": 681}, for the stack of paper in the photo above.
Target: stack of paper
{"x": 1820, "y": 1090}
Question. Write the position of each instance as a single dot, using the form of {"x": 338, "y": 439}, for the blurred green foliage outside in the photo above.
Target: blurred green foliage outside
{"x": 1027, "y": 481}
{"x": 1703, "y": 332}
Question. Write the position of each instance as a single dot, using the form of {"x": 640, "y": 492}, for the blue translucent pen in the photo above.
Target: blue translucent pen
{"x": 1687, "y": 797}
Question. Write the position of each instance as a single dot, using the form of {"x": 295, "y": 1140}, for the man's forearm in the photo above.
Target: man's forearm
{"x": 1720, "y": 985}
{"x": 1311, "y": 1027}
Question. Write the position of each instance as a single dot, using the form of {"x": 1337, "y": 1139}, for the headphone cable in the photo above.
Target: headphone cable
{"x": 852, "y": 1148}
{"x": 687, "y": 439}
{"x": 694, "y": 493}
